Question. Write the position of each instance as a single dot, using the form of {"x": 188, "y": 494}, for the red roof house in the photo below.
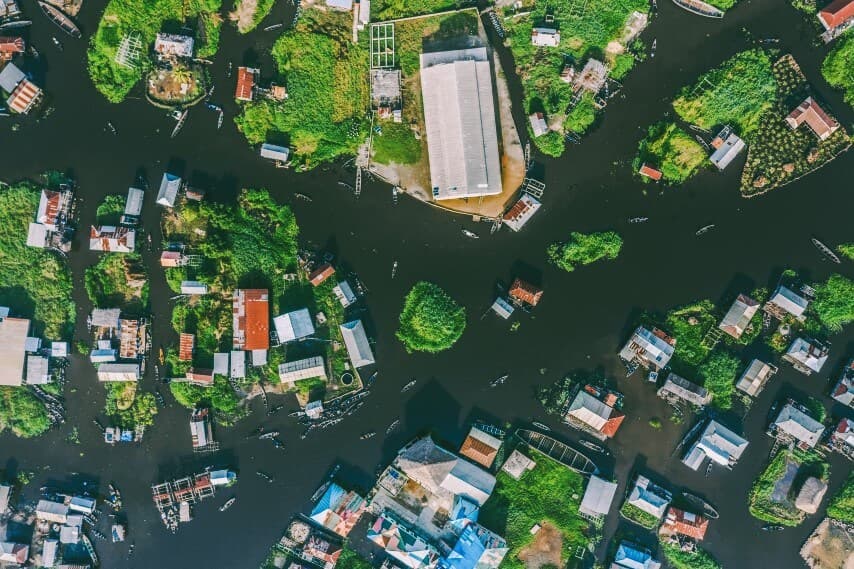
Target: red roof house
{"x": 525, "y": 292}
{"x": 10, "y": 46}
{"x": 685, "y": 523}
{"x": 185, "y": 349}
{"x": 24, "y": 97}
{"x": 650, "y": 172}
{"x": 246, "y": 77}
{"x": 201, "y": 377}
{"x": 251, "y": 319}
{"x": 320, "y": 274}
{"x": 809, "y": 112}
{"x": 171, "y": 259}
{"x": 836, "y": 13}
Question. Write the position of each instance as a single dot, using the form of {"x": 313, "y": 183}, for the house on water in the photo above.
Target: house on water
{"x": 521, "y": 212}
{"x": 113, "y": 372}
{"x": 727, "y": 145}
{"x": 810, "y": 113}
{"x": 247, "y": 78}
{"x": 356, "y": 341}
{"x": 794, "y": 425}
{"x": 677, "y": 388}
{"x": 538, "y": 124}
{"x": 754, "y": 378}
{"x": 651, "y": 349}
{"x": 806, "y": 355}
{"x": 632, "y": 556}
{"x": 294, "y": 325}
{"x": 843, "y": 391}
{"x": 718, "y": 444}
{"x": 22, "y": 94}
{"x": 481, "y": 447}
{"x": 650, "y": 172}
{"x": 836, "y": 17}
{"x": 308, "y": 368}
{"x": 111, "y": 239}
{"x": 276, "y": 153}
{"x": 598, "y": 497}
{"x": 688, "y": 524}
{"x": 168, "y": 46}
{"x": 786, "y": 302}
{"x": 524, "y": 293}
{"x": 738, "y": 316}
{"x": 595, "y": 416}
{"x": 338, "y": 510}
{"x": 170, "y": 185}
{"x": 13, "y": 340}
{"x": 648, "y": 498}
{"x": 251, "y": 319}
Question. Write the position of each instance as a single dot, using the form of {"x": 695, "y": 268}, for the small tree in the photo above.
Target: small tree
{"x": 431, "y": 321}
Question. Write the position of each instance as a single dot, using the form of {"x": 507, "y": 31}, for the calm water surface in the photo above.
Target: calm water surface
{"x": 583, "y": 318}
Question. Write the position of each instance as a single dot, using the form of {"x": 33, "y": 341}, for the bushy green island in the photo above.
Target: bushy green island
{"x": 110, "y": 210}
{"x": 145, "y": 20}
{"x": 325, "y": 114}
{"x": 838, "y": 64}
{"x": 548, "y": 495}
{"x": 842, "y": 506}
{"x": 119, "y": 280}
{"x": 585, "y": 34}
{"x": 35, "y": 284}
{"x": 431, "y": 321}
{"x": 584, "y": 249}
{"x": 672, "y": 151}
{"x": 678, "y": 559}
{"x": 127, "y": 408}
{"x": 834, "y": 302}
{"x": 774, "y": 504}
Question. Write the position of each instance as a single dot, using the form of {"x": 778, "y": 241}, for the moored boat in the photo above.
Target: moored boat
{"x": 59, "y": 18}
{"x": 826, "y": 251}
{"x": 408, "y": 386}
{"x": 227, "y": 505}
{"x": 698, "y": 503}
{"x": 470, "y": 234}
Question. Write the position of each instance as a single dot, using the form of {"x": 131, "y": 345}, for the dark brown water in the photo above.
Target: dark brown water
{"x": 580, "y": 323}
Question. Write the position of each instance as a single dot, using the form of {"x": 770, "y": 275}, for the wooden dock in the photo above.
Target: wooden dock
{"x": 558, "y": 451}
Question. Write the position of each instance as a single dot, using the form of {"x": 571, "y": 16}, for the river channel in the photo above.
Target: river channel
{"x": 580, "y": 323}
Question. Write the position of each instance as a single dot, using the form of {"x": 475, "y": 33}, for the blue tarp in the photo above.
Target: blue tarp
{"x": 466, "y": 553}
{"x": 329, "y": 500}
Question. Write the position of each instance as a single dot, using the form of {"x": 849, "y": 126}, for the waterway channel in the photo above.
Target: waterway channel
{"x": 582, "y": 320}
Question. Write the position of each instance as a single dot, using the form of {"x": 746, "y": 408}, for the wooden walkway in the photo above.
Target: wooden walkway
{"x": 558, "y": 451}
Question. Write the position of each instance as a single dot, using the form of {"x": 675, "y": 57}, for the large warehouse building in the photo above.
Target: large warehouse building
{"x": 459, "y": 113}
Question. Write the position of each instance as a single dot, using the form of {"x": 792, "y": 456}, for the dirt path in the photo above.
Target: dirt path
{"x": 243, "y": 14}
{"x": 545, "y": 549}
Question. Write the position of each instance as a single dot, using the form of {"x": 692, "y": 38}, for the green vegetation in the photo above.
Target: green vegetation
{"x": 669, "y": 149}
{"x": 584, "y": 249}
{"x": 110, "y": 210}
{"x": 22, "y": 412}
{"x": 719, "y": 373}
{"x": 328, "y": 91}
{"x": 249, "y": 13}
{"x": 765, "y": 506}
{"x": 145, "y": 19}
{"x": 118, "y": 281}
{"x": 689, "y": 325}
{"x": 776, "y": 153}
{"x": 838, "y": 66}
{"x": 655, "y": 423}
{"x": 127, "y": 408}
{"x": 834, "y": 302}
{"x": 349, "y": 559}
{"x": 638, "y": 516}
{"x": 584, "y": 34}
{"x": 846, "y": 250}
{"x": 396, "y": 145}
{"x": 393, "y": 9}
{"x": 678, "y": 559}
{"x": 548, "y": 494}
{"x": 723, "y": 4}
{"x": 431, "y": 321}
{"x": 842, "y": 506}
{"x": 34, "y": 283}
{"x": 252, "y": 245}
{"x": 738, "y": 92}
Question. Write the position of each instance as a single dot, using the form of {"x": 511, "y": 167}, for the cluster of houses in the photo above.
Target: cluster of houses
{"x": 20, "y": 93}
{"x": 25, "y": 359}
{"x": 51, "y": 229}
{"x": 247, "y": 90}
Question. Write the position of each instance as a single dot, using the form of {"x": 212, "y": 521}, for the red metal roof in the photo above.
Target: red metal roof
{"x": 612, "y": 425}
{"x": 321, "y": 273}
{"x": 50, "y": 216}
{"x": 251, "y": 319}
{"x": 678, "y": 522}
{"x": 526, "y": 292}
{"x": 185, "y": 349}
{"x": 11, "y": 45}
{"x": 23, "y": 97}
{"x": 650, "y": 172}
{"x": 811, "y": 113}
{"x": 170, "y": 258}
{"x": 836, "y": 13}
{"x": 245, "y": 84}
{"x": 202, "y": 377}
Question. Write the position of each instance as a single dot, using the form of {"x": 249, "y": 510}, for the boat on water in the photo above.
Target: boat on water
{"x": 470, "y": 234}
{"x": 393, "y": 426}
{"x": 180, "y": 116}
{"x": 296, "y": 413}
{"x": 219, "y": 120}
{"x": 638, "y": 219}
{"x": 652, "y": 50}
{"x": 771, "y": 527}
{"x": 541, "y": 426}
{"x": 409, "y": 386}
{"x": 303, "y": 197}
{"x": 98, "y": 535}
{"x": 60, "y": 18}
{"x": 15, "y": 24}
{"x": 371, "y": 379}
{"x": 111, "y": 127}
{"x": 700, "y": 8}
{"x": 268, "y": 435}
{"x": 89, "y": 548}
{"x": 264, "y": 475}
{"x": 499, "y": 380}
{"x": 393, "y": 269}
{"x": 273, "y": 27}
{"x": 594, "y": 447}
{"x": 698, "y": 503}
{"x": 557, "y": 450}
{"x": 826, "y": 251}
{"x": 704, "y": 229}
{"x": 228, "y": 504}
{"x": 368, "y": 435}
{"x": 161, "y": 357}
{"x": 56, "y": 42}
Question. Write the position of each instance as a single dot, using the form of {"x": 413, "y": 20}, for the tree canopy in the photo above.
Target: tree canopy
{"x": 838, "y": 67}
{"x": 834, "y": 302}
{"x": 583, "y": 249}
{"x": 431, "y": 321}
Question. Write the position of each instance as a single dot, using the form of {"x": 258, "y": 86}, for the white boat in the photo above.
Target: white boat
{"x": 227, "y": 505}
{"x": 826, "y": 251}
{"x": 470, "y": 234}
{"x": 180, "y": 117}
{"x": 638, "y": 220}
{"x": 409, "y": 386}
{"x": 393, "y": 426}
{"x": 541, "y": 426}
{"x": 498, "y": 380}
{"x": 367, "y": 435}
{"x": 705, "y": 229}
{"x": 393, "y": 269}
{"x": 652, "y": 51}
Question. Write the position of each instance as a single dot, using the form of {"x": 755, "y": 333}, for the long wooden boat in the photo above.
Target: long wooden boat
{"x": 700, "y": 8}
{"x": 826, "y": 251}
{"x": 59, "y": 18}
{"x": 561, "y": 452}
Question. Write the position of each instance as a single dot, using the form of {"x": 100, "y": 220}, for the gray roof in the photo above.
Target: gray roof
{"x": 459, "y": 115}
{"x": 302, "y": 369}
{"x": 649, "y": 497}
{"x": 797, "y": 424}
{"x": 739, "y": 316}
{"x": 717, "y": 443}
{"x": 106, "y": 317}
{"x": 220, "y": 365}
{"x": 10, "y": 76}
{"x": 644, "y": 344}
{"x": 809, "y": 355}
{"x": 133, "y": 203}
{"x": 293, "y": 325}
{"x": 118, "y": 372}
{"x": 275, "y": 152}
{"x": 754, "y": 377}
{"x": 169, "y": 186}
{"x": 684, "y": 389}
{"x": 789, "y": 301}
{"x": 37, "y": 370}
{"x": 238, "y": 364}
{"x": 5, "y": 492}
{"x": 727, "y": 151}
{"x": 598, "y": 497}
{"x": 844, "y": 389}
{"x": 357, "y": 343}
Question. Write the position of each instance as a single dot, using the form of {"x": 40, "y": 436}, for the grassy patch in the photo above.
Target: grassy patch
{"x": 737, "y": 92}
{"x": 431, "y": 321}
{"x": 34, "y": 283}
{"x": 678, "y": 559}
{"x": 259, "y": 10}
{"x": 118, "y": 281}
{"x": 584, "y": 249}
{"x": 763, "y": 505}
{"x": 220, "y": 396}
{"x": 672, "y": 151}
{"x": 127, "y": 408}
{"x": 834, "y": 302}
{"x": 585, "y": 34}
{"x": 638, "y": 516}
{"x": 393, "y": 9}
{"x": 846, "y": 250}
{"x": 689, "y": 325}
{"x": 842, "y": 506}
{"x": 146, "y": 19}
{"x": 396, "y": 145}
{"x": 110, "y": 210}
{"x": 22, "y": 412}
{"x": 582, "y": 116}
{"x": 548, "y": 493}
{"x": 328, "y": 91}
{"x": 838, "y": 67}
{"x": 719, "y": 373}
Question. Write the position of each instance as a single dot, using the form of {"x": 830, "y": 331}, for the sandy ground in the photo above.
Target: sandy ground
{"x": 70, "y": 7}
{"x": 243, "y": 14}
{"x": 545, "y": 549}
{"x": 829, "y": 547}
